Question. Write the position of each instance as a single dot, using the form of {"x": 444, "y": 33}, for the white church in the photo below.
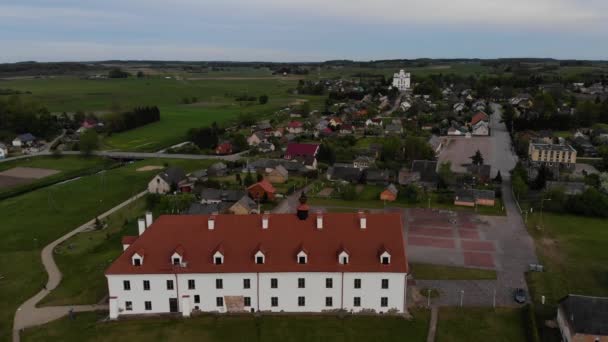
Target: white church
{"x": 265, "y": 262}
{"x": 402, "y": 80}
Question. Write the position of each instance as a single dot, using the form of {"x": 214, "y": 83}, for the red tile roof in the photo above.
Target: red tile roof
{"x": 128, "y": 240}
{"x": 265, "y": 185}
{"x": 242, "y": 236}
{"x": 295, "y": 124}
{"x": 480, "y": 116}
{"x": 297, "y": 149}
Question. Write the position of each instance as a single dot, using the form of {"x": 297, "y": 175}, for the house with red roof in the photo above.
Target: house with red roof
{"x": 305, "y": 153}
{"x": 224, "y": 148}
{"x": 293, "y": 263}
{"x": 295, "y": 127}
{"x": 262, "y": 190}
{"x": 479, "y": 116}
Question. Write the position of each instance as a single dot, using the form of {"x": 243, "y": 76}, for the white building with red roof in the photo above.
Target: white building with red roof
{"x": 267, "y": 262}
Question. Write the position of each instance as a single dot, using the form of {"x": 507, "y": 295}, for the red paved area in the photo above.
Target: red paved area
{"x": 479, "y": 259}
{"x": 431, "y": 242}
{"x": 468, "y": 245}
{"x": 467, "y": 225}
{"x": 439, "y": 232}
{"x": 471, "y": 234}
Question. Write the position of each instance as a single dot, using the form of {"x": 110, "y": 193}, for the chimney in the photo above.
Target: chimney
{"x": 149, "y": 219}
{"x": 362, "y": 220}
{"x": 211, "y": 222}
{"x": 265, "y": 218}
{"x": 319, "y": 220}
{"x": 141, "y": 225}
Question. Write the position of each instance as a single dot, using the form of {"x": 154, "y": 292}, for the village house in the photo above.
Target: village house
{"x": 211, "y": 195}
{"x": 481, "y": 128}
{"x": 305, "y": 153}
{"x": 279, "y": 174}
{"x": 402, "y": 80}
{"x": 262, "y": 190}
{"x": 363, "y": 162}
{"x": 22, "y": 140}
{"x": 218, "y": 169}
{"x": 481, "y": 173}
{"x": 256, "y": 138}
{"x": 224, "y": 148}
{"x": 261, "y": 263}
{"x": 295, "y": 127}
{"x": 422, "y": 172}
{"x": 171, "y": 179}
{"x": 265, "y": 146}
{"x": 583, "y": 318}
{"x": 393, "y": 128}
{"x": 389, "y": 194}
{"x": 344, "y": 173}
{"x": 376, "y": 176}
{"x": 552, "y": 155}
{"x": 244, "y": 206}
{"x": 3, "y": 151}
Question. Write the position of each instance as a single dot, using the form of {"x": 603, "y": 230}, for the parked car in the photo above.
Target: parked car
{"x": 519, "y": 295}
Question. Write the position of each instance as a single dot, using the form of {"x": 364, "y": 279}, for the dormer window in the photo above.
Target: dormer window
{"x": 218, "y": 258}
{"x": 343, "y": 258}
{"x": 260, "y": 258}
{"x": 385, "y": 258}
{"x": 177, "y": 257}
{"x": 138, "y": 258}
{"x": 177, "y": 261}
{"x": 302, "y": 257}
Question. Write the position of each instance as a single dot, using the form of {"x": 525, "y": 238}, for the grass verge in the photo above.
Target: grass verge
{"x": 438, "y": 272}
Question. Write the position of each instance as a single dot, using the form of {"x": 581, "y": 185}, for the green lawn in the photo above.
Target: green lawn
{"x": 86, "y": 327}
{"x": 573, "y": 251}
{"x": 437, "y": 272}
{"x": 215, "y": 102}
{"x": 472, "y": 324}
{"x": 83, "y": 258}
{"x": 32, "y": 220}
{"x": 69, "y": 167}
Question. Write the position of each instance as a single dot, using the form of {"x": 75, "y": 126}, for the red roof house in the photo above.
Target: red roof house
{"x": 224, "y": 148}
{"x": 297, "y": 150}
{"x": 261, "y": 190}
{"x": 480, "y": 116}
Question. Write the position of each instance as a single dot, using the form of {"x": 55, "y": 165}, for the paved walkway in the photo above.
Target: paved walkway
{"x": 430, "y": 337}
{"x": 28, "y": 315}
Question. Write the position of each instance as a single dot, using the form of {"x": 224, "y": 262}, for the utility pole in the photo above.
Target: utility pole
{"x": 541, "y": 210}
{"x": 461, "y": 297}
{"x": 494, "y": 299}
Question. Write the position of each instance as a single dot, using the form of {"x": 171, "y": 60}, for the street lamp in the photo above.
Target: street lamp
{"x": 542, "y": 200}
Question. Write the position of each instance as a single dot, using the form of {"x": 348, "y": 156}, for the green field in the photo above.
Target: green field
{"x": 438, "y": 272}
{"x": 69, "y": 167}
{"x": 573, "y": 251}
{"x": 464, "y": 325}
{"x": 86, "y": 327}
{"x": 216, "y": 102}
{"x": 33, "y": 220}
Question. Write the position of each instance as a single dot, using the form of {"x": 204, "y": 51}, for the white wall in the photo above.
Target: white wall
{"x": 288, "y": 292}
{"x": 158, "y": 186}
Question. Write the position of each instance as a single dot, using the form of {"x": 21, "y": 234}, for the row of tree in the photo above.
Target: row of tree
{"x": 19, "y": 116}
{"x": 137, "y": 117}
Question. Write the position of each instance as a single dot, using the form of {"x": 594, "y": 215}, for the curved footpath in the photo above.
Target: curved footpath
{"x": 28, "y": 315}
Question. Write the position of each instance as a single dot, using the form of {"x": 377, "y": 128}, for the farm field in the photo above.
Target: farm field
{"x": 208, "y": 328}
{"x": 573, "y": 251}
{"x": 472, "y": 324}
{"x": 34, "y": 219}
{"x": 215, "y": 102}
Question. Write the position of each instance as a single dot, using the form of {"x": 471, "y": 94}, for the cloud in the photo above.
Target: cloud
{"x": 20, "y": 12}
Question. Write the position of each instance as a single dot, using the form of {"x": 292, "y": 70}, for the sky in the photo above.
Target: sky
{"x": 301, "y": 31}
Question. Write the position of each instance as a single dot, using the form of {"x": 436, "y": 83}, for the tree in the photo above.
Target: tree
{"x": 249, "y": 179}
{"x": 89, "y": 141}
{"x": 477, "y": 158}
{"x": 263, "y": 99}
{"x": 541, "y": 178}
{"x": 238, "y": 179}
{"x": 604, "y": 182}
{"x": 305, "y": 108}
{"x": 326, "y": 154}
{"x": 498, "y": 178}
{"x": 140, "y": 74}
{"x": 519, "y": 186}
{"x": 240, "y": 142}
{"x": 446, "y": 176}
{"x": 118, "y": 73}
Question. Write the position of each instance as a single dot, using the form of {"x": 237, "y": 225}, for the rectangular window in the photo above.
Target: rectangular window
{"x": 126, "y": 285}
{"x": 176, "y": 261}
{"x": 246, "y": 283}
{"x": 137, "y": 262}
{"x": 384, "y": 302}
{"x": 329, "y": 283}
{"x": 357, "y": 283}
{"x": 247, "y": 301}
{"x": 345, "y": 260}
{"x": 148, "y": 306}
{"x": 219, "y": 301}
{"x": 329, "y": 301}
{"x": 146, "y": 285}
{"x": 197, "y": 299}
{"x": 129, "y": 306}
{"x": 385, "y": 283}
{"x": 274, "y": 283}
{"x": 357, "y": 301}
{"x": 219, "y": 284}
{"x": 301, "y": 283}
{"x": 218, "y": 260}
{"x": 191, "y": 284}
{"x": 302, "y": 260}
{"x": 301, "y": 301}
{"x": 274, "y": 301}
{"x": 385, "y": 261}
{"x": 259, "y": 260}
{"x": 169, "y": 284}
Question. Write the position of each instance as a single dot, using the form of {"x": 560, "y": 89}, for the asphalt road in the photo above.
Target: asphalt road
{"x": 503, "y": 156}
